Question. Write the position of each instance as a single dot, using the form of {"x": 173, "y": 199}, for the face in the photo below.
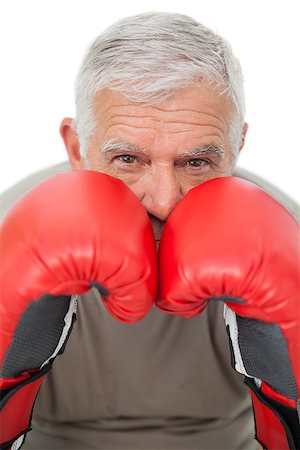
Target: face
{"x": 159, "y": 151}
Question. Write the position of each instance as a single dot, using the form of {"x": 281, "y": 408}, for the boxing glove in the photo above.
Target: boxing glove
{"x": 228, "y": 240}
{"x": 75, "y": 231}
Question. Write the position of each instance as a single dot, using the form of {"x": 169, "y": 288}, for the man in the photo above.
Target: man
{"x": 160, "y": 106}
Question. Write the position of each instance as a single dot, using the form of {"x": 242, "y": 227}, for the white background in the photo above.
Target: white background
{"x": 43, "y": 43}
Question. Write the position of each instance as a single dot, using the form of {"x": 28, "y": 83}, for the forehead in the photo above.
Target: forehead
{"x": 190, "y": 118}
{"x": 186, "y": 105}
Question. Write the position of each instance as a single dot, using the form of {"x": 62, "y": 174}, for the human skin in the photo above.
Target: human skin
{"x": 159, "y": 151}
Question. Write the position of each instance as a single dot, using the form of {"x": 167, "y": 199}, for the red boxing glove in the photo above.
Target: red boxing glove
{"x": 75, "y": 231}
{"x": 228, "y": 240}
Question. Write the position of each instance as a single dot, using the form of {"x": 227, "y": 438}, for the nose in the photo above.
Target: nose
{"x": 162, "y": 193}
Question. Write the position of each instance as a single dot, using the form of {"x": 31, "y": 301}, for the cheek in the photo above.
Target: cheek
{"x": 190, "y": 179}
{"x": 136, "y": 182}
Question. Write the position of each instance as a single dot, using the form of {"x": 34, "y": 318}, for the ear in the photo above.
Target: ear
{"x": 71, "y": 141}
{"x": 244, "y": 132}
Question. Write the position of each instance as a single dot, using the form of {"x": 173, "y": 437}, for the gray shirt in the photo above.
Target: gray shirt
{"x": 162, "y": 383}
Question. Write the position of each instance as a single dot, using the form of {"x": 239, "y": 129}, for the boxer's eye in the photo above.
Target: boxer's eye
{"x": 197, "y": 163}
{"x": 126, "y": 159}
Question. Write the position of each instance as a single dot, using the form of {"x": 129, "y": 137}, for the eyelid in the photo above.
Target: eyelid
{"x": 186, "y": 160}
{"x": 204, "y": 160}
{"x": 129, "y": 164}
{"x": 125, "y": 154}
{"x": 207, "y": 164}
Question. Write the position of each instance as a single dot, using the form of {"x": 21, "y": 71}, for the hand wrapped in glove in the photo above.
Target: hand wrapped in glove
{"x": 75, "y": 231}
{"x": 228, "y": 240}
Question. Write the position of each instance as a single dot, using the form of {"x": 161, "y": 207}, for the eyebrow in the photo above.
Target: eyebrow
{"x": 116, "y": 146}
{"x": 206, "y": 149}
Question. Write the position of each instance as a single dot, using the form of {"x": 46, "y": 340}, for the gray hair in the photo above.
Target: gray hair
{"x": 147, "y": 57}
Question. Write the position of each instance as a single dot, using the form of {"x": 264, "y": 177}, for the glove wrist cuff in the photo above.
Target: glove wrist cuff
{"x": 276, "y": 424}
{"x": 16, "y": 405}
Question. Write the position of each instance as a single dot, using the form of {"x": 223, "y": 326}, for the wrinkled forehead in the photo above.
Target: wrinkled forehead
{"x": 188, "y": 118}
{"x": 202, "y": 98}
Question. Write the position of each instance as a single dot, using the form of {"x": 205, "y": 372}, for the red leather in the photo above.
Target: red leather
{"x": 16, "y": 413}
{"x": 73, "y": 229}
{"x": 269, "y": 392}
{"x": 270, "y": 431}
{"x": 228, "y": 238}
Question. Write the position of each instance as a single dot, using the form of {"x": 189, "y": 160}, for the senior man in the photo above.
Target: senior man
{"x": 160, "y": 106}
